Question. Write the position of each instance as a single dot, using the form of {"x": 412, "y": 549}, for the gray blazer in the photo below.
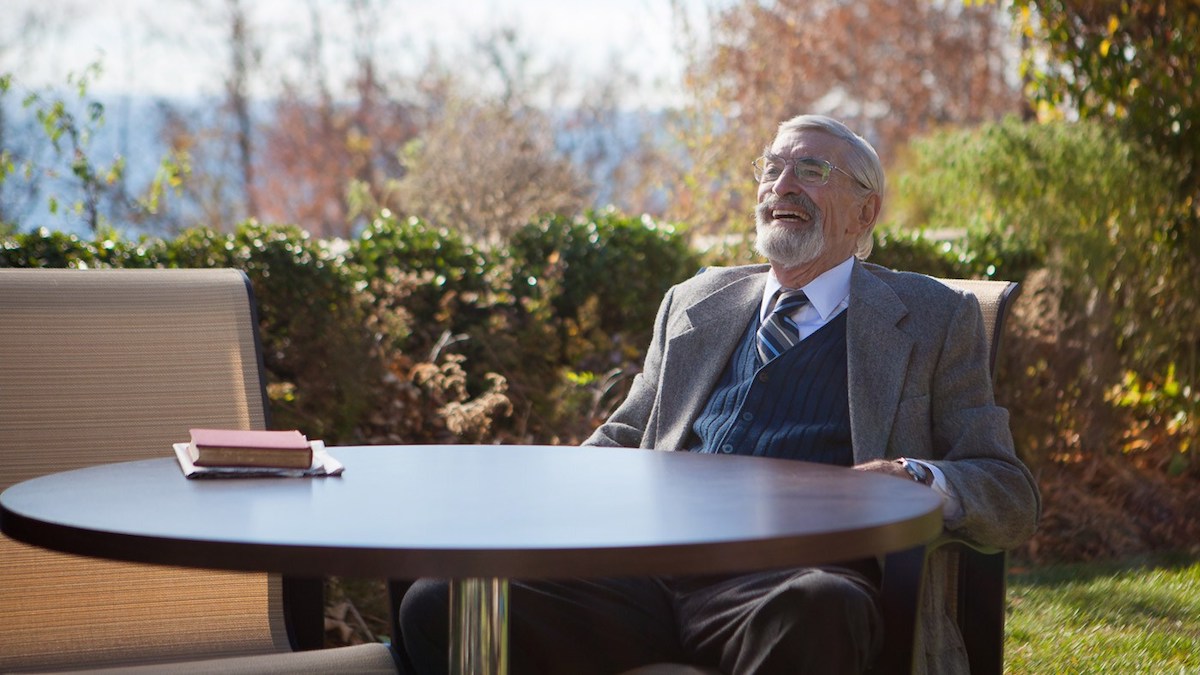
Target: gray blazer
{"x": 919, "y": 384}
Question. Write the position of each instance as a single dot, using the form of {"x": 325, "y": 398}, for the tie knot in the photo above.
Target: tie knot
{"x": 778, "y": 333}
{"x": 789, "y": 301}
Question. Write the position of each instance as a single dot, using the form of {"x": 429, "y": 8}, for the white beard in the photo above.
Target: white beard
{"x": 785, "y": 246}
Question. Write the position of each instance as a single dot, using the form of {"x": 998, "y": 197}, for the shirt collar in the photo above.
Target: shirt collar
{"x": 826, "y": 293}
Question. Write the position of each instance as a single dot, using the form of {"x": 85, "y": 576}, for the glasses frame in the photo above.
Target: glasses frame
{"x": 827, "y": 169}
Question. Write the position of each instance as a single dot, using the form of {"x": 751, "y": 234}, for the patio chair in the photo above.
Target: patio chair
{"x": 100, "y": 366}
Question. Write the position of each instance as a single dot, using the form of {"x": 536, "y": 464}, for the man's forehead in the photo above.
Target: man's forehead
{"x": 809, "y": 142}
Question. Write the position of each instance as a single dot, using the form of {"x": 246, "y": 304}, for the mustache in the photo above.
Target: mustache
{"x": 800, "y": 200}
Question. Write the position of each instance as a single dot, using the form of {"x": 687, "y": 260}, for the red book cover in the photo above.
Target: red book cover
{"x": 246, "y": 438}
{"x": 240, "y": 447}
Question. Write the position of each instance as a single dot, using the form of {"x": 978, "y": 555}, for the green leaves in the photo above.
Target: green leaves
{"x": 1076, "y": 188}
{"x": 618, "y": 260}
{"x": 92, "y": 190}
{"x": 1139, "y": 68}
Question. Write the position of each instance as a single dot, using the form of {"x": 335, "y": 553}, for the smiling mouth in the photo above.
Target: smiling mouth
{"x": 791, "y": 215}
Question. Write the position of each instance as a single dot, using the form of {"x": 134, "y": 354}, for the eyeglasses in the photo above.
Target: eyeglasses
{"x": 808, "y": 170}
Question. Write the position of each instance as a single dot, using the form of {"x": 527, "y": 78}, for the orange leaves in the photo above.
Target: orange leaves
{"x": 888, "y": 68}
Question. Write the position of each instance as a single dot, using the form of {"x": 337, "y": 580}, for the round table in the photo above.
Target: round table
{"x": 481, "y": 514}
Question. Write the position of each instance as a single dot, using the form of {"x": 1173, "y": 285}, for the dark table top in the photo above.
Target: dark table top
{"x": 480, "y": 511}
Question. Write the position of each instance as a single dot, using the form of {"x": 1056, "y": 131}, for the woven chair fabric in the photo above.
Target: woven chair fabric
{"x": 989, "y": 293}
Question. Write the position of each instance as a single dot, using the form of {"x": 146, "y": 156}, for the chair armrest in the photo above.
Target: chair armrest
{"x": 981, "y": 609}
{"x": 979, "y": 593}
{"x": 900, "y": 601}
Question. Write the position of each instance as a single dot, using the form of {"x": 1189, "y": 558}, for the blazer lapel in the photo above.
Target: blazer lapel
{"x": 877, "y": 353}
{"x": 697, "y": 354}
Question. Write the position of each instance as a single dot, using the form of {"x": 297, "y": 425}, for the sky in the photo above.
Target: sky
{"x": 176, "y": 48}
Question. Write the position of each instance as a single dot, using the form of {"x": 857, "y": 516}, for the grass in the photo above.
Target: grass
{"x": 1140, "y": 616}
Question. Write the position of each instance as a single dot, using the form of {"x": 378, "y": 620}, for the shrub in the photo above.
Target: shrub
{"x": 46, "y": 248}
{"x": 1091, "y": 205}
{"x": 444, "y": 278}
{"x": 411, "y": 244}
{"x": 574, "y": 307}
{"x": 623, "y": 264}
{"x": 914, "y": 251}
{"x": 1099, "y": 407}
{"x": 974, "y": 255}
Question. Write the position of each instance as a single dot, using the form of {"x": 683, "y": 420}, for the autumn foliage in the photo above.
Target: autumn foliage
{"x": 890, "y": 69}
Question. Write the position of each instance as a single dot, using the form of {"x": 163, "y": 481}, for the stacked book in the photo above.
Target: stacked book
{"x": 253, "y": 454}
{"x": 237, "y": 447}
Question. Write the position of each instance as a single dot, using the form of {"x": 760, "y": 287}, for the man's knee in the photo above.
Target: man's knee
{"x": 820, "y": 601}
{"x": 426, "y": 603}
{"x": 822, "y": 616}
{"x": 424, "y": 624}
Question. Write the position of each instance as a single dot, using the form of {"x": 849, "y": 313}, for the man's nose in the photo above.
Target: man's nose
{"x": 787, "y": 183}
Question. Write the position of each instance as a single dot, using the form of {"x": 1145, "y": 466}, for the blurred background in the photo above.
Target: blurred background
{"x": 320, "y": 113}
{"x": 459, "y": 221}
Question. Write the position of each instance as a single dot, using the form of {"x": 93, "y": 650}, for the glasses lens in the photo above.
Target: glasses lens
{"x": 812, "y": 171}
{"x": 766, "y": 170}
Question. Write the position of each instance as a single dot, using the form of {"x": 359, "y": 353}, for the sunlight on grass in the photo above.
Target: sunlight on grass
{"x": 1137, "y": 617}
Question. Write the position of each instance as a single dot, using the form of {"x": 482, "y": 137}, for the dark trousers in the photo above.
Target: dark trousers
{"x": 811, "y": 620}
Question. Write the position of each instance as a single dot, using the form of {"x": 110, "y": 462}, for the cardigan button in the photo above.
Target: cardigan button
{"x": 727, "y": 448}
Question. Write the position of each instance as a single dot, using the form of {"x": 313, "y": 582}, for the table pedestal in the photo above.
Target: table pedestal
{"x": 479, "y": 626}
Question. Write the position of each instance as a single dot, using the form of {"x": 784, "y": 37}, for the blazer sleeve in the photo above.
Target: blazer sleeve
{"x": 972, "y": 441}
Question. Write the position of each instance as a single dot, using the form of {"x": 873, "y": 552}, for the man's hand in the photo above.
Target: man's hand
{"x": 887, "y": 466}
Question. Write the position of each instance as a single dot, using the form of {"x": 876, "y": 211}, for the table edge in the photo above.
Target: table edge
{"x": 315, "y": 561}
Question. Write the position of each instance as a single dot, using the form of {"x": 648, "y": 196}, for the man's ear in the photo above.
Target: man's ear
{"x": 869, "y": 211}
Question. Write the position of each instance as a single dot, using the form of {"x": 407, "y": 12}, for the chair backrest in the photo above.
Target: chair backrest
{"x": 995, "y": 299}
{"x": 100, "y": 366}
{"x": 979, "y": 582}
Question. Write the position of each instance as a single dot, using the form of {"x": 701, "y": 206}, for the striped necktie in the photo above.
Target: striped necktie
{"x": 779, "y": 332}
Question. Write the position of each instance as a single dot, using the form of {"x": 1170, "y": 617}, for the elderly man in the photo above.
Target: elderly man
{"x": 817, "y": 357}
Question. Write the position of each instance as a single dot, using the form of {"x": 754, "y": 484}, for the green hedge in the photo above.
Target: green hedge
{"x": 431, "y": 275}
{"x": 972, "y": 255}
{"x": 621, "y": 262}
{"x": 357, "y": 335}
